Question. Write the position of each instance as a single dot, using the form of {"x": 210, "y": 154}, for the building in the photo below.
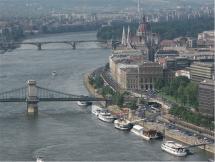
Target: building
{"x": 174, "y": 63}
{"x": 206, "y": 97}
{"x": 167, "y": 43}
{"x": 206, "y": 39}
{"x": 141, "y": 77}
{"x": 165, "y": 53}
{"x": 185, "y": 73}
{"x": 132, "y": 72}
{"x": 200, "y": 71}
{"x": 117, "y": 61}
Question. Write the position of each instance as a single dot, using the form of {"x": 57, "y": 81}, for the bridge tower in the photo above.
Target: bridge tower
{"x": 32, "y": 98}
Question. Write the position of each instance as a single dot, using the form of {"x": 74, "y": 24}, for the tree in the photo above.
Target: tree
{"x": 132, "y": 104}
{"x": 191, "y": 92}
{"x": 159, "y": 84}
{"x": 181, "y": 95}
{"x": 118, "y": 99}
{"x": 98, "y": 81}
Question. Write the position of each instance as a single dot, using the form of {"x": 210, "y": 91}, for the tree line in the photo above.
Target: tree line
{"x": 181, "y": 89}
{"x": 191, "y": 117}
{"x": 166, "y": 30}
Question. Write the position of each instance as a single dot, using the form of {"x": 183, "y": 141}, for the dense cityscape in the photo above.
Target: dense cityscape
{"x": 145, "y": 66}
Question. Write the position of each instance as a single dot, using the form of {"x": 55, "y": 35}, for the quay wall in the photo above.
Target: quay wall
{"x": 149, "y": 125}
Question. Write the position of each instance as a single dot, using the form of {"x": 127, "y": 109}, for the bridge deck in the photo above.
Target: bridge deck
{"x": 53, "y": 99}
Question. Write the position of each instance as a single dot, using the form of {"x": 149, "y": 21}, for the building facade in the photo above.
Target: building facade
{"x": 200, "y": 71}
{"x": 206, "y": 97}
{"x": 142, "y": 77}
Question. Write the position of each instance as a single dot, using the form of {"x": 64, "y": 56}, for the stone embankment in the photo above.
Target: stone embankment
{"x": 173, "y": 134}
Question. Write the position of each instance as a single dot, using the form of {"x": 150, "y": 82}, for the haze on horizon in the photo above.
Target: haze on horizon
{"x": 43, "y": 7}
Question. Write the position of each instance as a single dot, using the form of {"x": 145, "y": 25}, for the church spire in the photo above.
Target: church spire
{"x": 128, "y": 38}
{"x": 123, "y": 42}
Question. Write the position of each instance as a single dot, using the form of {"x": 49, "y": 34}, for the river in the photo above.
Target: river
{"x": 64, "y": 131}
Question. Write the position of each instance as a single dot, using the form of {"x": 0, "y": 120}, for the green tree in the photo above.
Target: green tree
{"x": 98, "y": 81}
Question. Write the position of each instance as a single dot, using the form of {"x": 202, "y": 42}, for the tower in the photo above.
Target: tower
{"x": 123, "y": 42}
{"x": 128, "y": 38}
{"x": 138, "y": 6}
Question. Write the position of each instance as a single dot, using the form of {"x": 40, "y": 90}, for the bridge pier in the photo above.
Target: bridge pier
{"x": 32, "y": 99}
{"x": 39, "y": 46}
{"x": 32, "y": 108}
{"x": 74, "y": 45}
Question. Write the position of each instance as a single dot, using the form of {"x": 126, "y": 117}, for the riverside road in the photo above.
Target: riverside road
{"x": 64, "y": 131}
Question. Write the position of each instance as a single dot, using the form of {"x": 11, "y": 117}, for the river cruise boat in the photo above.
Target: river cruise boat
{"x": 123, "y": 124}
{"x": 96, "y": 109}
{"x": 106, "y": 116}
{"x": 174, "y": 148}
{"x": 145, "y": 134}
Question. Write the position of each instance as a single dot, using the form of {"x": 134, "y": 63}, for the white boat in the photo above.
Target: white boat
{"x": 174, "y": 148}
{"x": 82, "y": 103}
{"x": 39, "y": 159}
{"x": 106, "y": 116}
{"x": 96, "y": 110}
{"x": 146, "y": 135}
{"x": 123, "y": 124}
{"x": 54, "y": 73}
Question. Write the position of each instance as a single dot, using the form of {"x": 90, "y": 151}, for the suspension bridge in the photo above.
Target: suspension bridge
{"x": 33, "y": 94}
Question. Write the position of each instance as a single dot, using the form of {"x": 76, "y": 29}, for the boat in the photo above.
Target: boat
{"x": 39, "y": 159}
{"x": 96, "y": 110}
{"x": 123, "y": 124}
{"x": 106, "y": 116}
{"x": 145, "y": 134}
{"x": 54, "y": 73}
{"x": 174, "y": 148}
{"x": 82, "y": 103}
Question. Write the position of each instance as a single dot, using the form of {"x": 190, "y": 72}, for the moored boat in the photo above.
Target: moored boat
{"x": 123, "y": 124}
{"x": 96, "y": 109}
{"x": 174, "y": 148}
{"x": 39, "y": 159}
{"x": 145, "y": 134}
{"x": 106, "y": 116}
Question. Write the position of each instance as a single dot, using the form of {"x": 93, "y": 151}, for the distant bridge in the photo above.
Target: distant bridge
{"x": 32, "y": 94}
{"x": 73, "y": 43}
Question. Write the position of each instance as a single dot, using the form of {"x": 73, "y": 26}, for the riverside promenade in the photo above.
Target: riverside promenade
{"x": 169, "y": 133}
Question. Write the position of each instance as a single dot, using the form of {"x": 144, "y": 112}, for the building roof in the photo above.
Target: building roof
{"x": 168, "y": 43}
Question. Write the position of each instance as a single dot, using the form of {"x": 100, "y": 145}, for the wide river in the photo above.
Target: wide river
{"x": 64, "y": 131}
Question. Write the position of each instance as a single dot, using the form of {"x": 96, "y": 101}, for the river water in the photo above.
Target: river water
{"x": 64, "y": 131}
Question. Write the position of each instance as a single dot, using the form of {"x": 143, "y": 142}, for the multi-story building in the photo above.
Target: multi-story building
{"x": 200, "y": 71}
{"x": 206, "y": 97}
{"x": 206, "y": 39}
{"x": 141, "y": 77}
{"x": 133, "y": 73}
{"x": 165, "y": 53}
{"x": 118, "y": 61}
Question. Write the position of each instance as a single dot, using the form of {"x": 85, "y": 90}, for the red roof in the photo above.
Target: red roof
{"x": 168, "y": 43}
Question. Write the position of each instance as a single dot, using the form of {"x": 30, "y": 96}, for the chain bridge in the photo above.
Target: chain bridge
{"x": 32, "y": 94}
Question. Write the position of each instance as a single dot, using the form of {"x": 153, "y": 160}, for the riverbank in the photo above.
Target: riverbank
{"x": 172, "y": 134}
